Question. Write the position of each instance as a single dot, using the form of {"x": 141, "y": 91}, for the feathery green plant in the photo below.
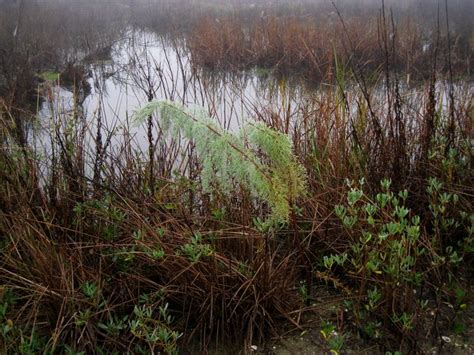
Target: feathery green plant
{"x": 258, "y": 157}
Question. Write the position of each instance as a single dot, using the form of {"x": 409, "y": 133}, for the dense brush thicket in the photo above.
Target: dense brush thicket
{"x": 365, "y": 195}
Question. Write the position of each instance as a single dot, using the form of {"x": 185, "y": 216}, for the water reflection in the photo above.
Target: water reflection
{"x": 145, "y": 66}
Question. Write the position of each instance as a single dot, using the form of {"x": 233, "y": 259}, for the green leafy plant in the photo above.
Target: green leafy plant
{"x": 257, "y": 157}
{"x": 153, "y": 324}
{"x": 90, "y": 289}
{"x": 114, "y": 325}
{"x": 384, "y": 251}
{"x": 387, "y": 251}
{"x": 103, "y": 213}
{"x": 334, "y": 340}
{"x": 304, "y": 292}
{"x": 196, "y": 249}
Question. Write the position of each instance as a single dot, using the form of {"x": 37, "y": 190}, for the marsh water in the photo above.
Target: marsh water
{"x": 144, "y": 66}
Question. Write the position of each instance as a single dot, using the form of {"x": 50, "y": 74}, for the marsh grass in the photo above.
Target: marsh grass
{"x": 310, "y": 44}
{"x": 117, "y": 249}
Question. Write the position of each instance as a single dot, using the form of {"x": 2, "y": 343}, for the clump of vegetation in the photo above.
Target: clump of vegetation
{"x": 309, "y": 43}
{"x": 387, "y": 253}
{"x": 265, "y": 165}
{"x": 361, "y": 191}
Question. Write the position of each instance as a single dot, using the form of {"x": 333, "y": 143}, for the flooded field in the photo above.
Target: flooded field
{"x": 236, "y": 177}
{"x": 144, "y": 66}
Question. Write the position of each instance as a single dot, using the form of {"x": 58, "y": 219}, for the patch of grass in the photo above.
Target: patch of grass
{"x": 49, "y": 76}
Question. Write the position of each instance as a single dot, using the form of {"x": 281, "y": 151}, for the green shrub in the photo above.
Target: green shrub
{"x": 257, "y": 157}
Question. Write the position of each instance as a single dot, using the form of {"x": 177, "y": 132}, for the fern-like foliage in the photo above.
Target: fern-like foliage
{"x": 257, "y": 157}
